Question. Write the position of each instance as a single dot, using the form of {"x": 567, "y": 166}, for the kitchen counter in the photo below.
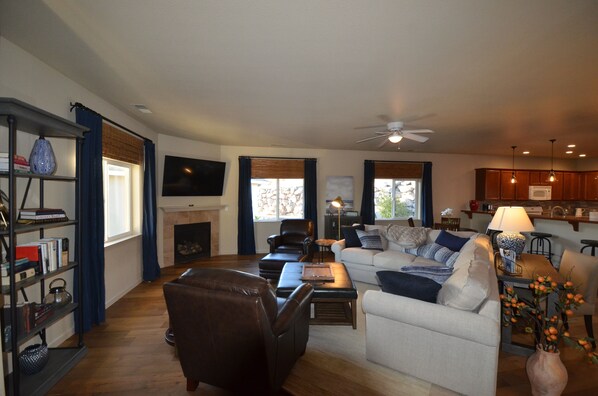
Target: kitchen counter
{"x": 573, "y": 220}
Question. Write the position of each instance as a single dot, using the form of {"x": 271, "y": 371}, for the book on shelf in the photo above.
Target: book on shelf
{"x": 17, "y": 167}
{"x": 42, "y": 214}
{"x": 19, "y": 276}
{"x": 40, "y": 211}
{"x": 42, "y": 221}
{"x": 47, "y": 254}
{"x": 17, "y": 159}
{"x": 25, "y": 319}
{"x": 21, "y": 264}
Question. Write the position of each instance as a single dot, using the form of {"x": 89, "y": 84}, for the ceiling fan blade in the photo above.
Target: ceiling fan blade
{"x": 418, "y": 131}
{"x": 417, "y": 138}
{"x": 371, "y": 126}
{"x": 385, "y": 118}
{"x": 370, "y": 138}
{"x": 417, "y": 117}
{"x": 383, "y": 143}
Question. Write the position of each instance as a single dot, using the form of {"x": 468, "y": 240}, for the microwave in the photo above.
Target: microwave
{"x": 540, "y": 193}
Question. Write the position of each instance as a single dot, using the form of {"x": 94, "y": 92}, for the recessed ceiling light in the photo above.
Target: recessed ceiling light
{"x": 582, "y": 155}
{"x": 142, "y": 108}
{"x": 571, "y": 146}
{"x": 569, "y": 152}
{"x": 526, "y": 152}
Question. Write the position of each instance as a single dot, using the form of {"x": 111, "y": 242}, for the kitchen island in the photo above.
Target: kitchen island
{"x": 567, "y": 231}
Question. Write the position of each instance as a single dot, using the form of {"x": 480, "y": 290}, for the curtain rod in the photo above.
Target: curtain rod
{"x": 280, "y": 158}
{"x": 81, "y": 106}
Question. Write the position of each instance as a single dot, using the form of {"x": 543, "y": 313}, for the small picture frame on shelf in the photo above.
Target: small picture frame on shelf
{"x": 351, "y": 213}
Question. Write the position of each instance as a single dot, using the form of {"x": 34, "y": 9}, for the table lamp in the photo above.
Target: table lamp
{"x": 511, "y": 220}
{"x": 338, "y": 204}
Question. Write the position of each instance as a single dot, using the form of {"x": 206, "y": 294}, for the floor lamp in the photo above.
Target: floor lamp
{"x": 338, "y": 204}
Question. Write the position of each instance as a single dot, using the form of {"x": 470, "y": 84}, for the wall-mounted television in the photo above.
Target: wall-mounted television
{"x": 186, "y": 177}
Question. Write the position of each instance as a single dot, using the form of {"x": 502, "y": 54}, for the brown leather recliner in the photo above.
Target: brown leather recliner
{"x": 296, "y": 236}
{"x": 231, "y": 331}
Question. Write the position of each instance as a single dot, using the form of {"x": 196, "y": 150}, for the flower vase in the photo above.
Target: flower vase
{"x": 42, "y": 160}
{"x": 546, "y": 372}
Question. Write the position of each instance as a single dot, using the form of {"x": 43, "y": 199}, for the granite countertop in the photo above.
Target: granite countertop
{"x": 573, "y": 220}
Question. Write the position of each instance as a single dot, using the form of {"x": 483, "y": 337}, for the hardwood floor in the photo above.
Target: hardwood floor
{"x": 128, "y": 355}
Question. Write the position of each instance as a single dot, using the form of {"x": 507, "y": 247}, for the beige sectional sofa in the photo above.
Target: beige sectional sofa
{"x": 453, "y": 343}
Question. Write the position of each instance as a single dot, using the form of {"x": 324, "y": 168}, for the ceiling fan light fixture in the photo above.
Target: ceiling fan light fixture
{"x": 395, "y": 138}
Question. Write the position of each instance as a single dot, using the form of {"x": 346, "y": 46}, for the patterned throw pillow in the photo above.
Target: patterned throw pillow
{"x": 436, "y": 252}
{"x": 370, "y": 239}
{"x": 438, "y": 273}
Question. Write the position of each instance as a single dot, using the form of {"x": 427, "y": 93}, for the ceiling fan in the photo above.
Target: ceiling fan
{"x": 395, "y": 130}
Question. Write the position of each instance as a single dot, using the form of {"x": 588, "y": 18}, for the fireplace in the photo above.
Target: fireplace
{"x": 192, "y": 242}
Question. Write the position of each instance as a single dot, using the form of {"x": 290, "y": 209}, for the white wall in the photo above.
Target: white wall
{"x": 26, "y": 78}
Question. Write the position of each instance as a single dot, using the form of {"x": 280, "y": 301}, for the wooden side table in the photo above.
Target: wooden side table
{"x": 324, "y": 245}
{"x": 532, "y": 265}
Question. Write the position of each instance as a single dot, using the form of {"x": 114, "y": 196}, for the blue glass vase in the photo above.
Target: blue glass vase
{"x": 42, "y": 160}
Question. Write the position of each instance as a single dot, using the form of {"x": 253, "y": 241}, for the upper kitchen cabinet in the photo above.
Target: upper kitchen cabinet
{"x": 572, "y": 186}
{"x": 590, "y": 186}
{"x": 487, "y": 184}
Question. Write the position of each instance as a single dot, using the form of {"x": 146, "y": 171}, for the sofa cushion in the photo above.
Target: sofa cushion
{"x": 370, "y": 239}
{"x": 393, "y": 260}
{"x": 467, "y": 288}
{"x": 350, "y": 235}
{"x": 446, "y": 256}
{"x": 451, "y": 241}
{"x": 438, "y": 273}
{"x": 408, "y": 285}
{"x": 407, "y": 237}
{"x": 359, "y": 256}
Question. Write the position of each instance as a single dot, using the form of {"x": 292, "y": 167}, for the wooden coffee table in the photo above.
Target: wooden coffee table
{"x": 335, "y": 302}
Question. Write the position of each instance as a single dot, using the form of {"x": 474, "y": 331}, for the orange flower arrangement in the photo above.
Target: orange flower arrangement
{"x": 547, "y": 331}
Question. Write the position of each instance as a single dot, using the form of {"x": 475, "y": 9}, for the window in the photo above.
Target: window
{"x": 397, "y": 198}
{"x": 276, "y": 199}
{"x": 397, "y": 190}
{"x": 277, "y": 188}
{"x": 118, "y": 204}
{"x": 122, "y": 157}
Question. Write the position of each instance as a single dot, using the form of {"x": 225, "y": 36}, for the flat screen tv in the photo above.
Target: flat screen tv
{"x": 186, "y": 177}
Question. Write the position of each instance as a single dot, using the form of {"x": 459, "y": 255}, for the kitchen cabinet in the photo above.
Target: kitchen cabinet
{"x": 487, "y": 184}
{"x": 572, "y": 182}
{"x": 507, "y": 189}
{"x": 522, "y": 185}
{"x": 590, "y": 183}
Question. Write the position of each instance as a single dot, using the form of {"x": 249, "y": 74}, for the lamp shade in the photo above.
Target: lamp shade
{"x": 338, "y": 202}
{"x": 511, "y": 219}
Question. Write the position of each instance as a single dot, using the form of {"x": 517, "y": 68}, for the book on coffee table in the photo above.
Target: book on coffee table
{"x": 317, "y": 273}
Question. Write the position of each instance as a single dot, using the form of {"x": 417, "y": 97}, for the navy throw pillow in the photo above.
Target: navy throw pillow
{"x": 350, "y": 235}
{"x": 408, "y": 285}
{"x": 451, "y": 241}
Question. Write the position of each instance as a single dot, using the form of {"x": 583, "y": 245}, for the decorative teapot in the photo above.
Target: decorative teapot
{"x": 58, "y": 294}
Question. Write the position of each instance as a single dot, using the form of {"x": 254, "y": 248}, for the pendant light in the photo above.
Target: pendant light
{"x": 513, "y": 177}
{"x": 551, "y": 175}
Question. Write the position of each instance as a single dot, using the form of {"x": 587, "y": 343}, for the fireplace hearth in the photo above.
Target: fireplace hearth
{"x": 192, "y": 242}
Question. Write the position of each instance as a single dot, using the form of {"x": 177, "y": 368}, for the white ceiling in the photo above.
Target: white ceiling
{"x": 306, "y": 73}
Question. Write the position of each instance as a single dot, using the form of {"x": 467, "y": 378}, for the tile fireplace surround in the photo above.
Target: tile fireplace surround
{"x": 190, "y": 216}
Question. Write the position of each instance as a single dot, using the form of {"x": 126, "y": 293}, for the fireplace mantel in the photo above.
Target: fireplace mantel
{"x": 192, "y": 208}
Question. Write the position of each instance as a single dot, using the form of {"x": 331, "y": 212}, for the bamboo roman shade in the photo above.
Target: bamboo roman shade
{"x": 398, "y": 170}
{"x": 274, "y": 168}
{"x": 120, "y": 145}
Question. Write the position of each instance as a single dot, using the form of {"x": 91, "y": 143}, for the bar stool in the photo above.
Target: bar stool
{"x": 589, "y": 243}
{"x": 541, "y": 244}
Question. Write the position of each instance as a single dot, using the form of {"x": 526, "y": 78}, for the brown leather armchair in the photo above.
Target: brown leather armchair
{"x": 296, "y": 236}
{"x": 232, "y": 332}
